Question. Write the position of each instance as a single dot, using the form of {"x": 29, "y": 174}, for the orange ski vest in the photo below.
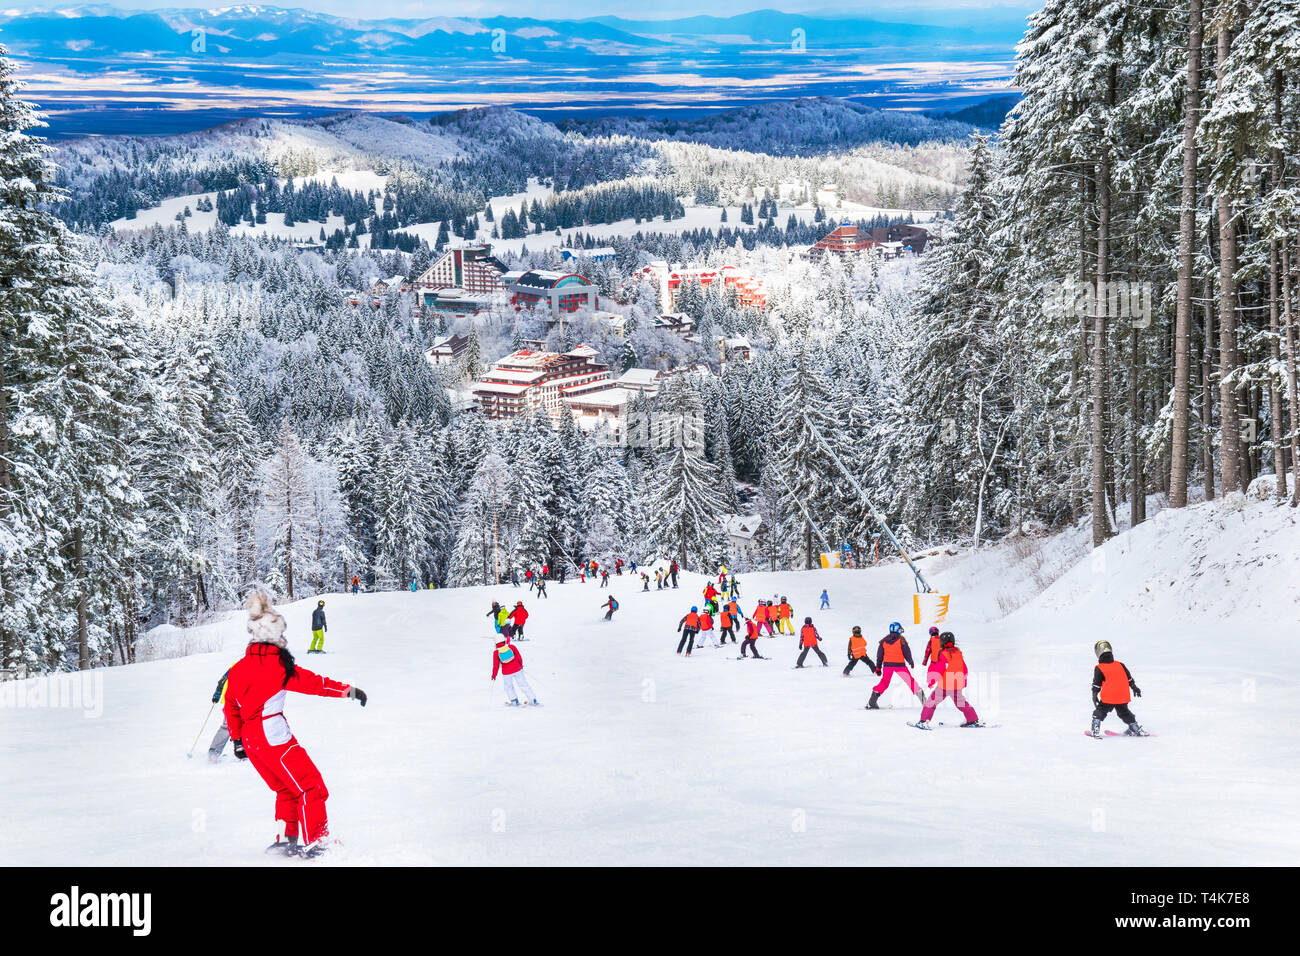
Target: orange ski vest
{"x": 808, "y": 635}
{"x": 692, "y": 620}
{"x": 858, "y": 646}
{"x": 1114, "y": 683}
{"x": 894, "y": 652}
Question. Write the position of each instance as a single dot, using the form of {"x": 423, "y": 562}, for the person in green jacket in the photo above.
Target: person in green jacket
{"x": 318, "y": 629}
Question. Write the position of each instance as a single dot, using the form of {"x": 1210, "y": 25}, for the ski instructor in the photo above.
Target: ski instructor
{"x": 255, "y": 692}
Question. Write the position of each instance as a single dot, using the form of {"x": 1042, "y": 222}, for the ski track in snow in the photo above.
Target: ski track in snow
{"x": 640, "y": 756}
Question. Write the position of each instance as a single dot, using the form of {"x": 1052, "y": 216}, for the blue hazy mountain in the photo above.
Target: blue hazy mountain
{"x": 167, "y": 69}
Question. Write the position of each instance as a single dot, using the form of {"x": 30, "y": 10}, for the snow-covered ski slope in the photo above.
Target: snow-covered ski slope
{"x": 639, "y": 756}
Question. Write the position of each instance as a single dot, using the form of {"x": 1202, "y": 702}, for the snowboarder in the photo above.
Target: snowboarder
{"x": 808, "y": 639}
{"x": 1112, "y": 689}
{"x": 254, "y": 709}
{"x": 785, "y": 614}
{"x": 933, "y": 647}
{"x": 952, "y": 679}
{"x": 222, "y": 736}
{"x": 858, "y": 652}
{"x": 893, "y": 656}
{"x": 510, "y": 663}
{"x": 517, "y": 617}
{"x": 751, "y": 639}
{"x": 356, "y": 584}
{"x": 612, "y": 604}
{"x": 689, "y": 626}
{"x": 826, "y": 601}
{"x": 318, "y": 629}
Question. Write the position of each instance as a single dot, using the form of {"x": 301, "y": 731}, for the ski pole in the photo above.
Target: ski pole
{"x": 201, "y": 729}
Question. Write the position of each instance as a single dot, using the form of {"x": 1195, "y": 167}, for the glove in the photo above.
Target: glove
{"x": 239, "y": 750}
{"x": 357, "y": 693}
{"x": 1137, "y": 692}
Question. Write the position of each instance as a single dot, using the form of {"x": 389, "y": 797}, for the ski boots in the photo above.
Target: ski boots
{"x": 1096, "y": 728}
{"x": 284, "y": 846}
{"x": 512, "y": 703}
{"x": 1134, "y": 730}
{"x": 872, "y": 703}
{"x": 922, "y": 725}
{"x": 973, "y": 723}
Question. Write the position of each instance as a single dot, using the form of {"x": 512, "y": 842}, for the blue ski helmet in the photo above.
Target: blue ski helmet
{"x": 694, "y": 609}
{"x": 895, "y": 628}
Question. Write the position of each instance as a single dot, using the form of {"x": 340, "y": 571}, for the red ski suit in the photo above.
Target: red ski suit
{"x": 255, "y": 693}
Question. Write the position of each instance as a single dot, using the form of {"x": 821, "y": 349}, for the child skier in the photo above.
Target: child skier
{"x": 785, "y": 617}
{"x": 645, "y": 581}
{"x": 759, "y": 617}
{"x": 952, "y": 681}
{"x": 507, "y": 659}
{"x": 689, "y": 626}
{"x": 518, "y": 617}
{"x": 826, "y": 601}
{"x": 498, "y": 616}
{"x": 541, "y": 588}
{"x": 604, "y": 578}
{"x": 222, "y": 736}
{"x": 1112, "y": 689}
{"x": 893, "y": 656}
{"x": 751, "y": 639}
{"x": 706, "y": 629}
{"x": 808, "y": 640}
{"x": 318, "y": 629}
{"x": 612, "y": 604}
{"x": 254, "y": 709}
{"x": 931, "y": 658}
{"x": 356, "y": 584}
{"x": 727, "y": 621}
{"x": 858, "y": 652}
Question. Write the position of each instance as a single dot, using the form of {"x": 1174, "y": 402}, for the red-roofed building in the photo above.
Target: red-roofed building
{"x": 843, "y": 241}
{"x": 529, "y": 380}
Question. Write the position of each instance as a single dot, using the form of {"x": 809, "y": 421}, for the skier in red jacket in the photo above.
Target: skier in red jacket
{"x": 510, "y": 663}
{"x": 256, "y": 688}
{"x": 518, "y": 616}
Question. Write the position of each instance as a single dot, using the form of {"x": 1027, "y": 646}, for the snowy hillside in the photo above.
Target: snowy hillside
{"x": 641, "y": 756}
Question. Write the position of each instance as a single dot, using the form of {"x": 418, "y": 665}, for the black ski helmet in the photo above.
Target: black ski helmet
{"x": 807, "y": 620}
{"x": 1102, "y": 647}
{"x": 947, "y": 639}
{"x": 320, "y": 603}
{"x": 857, "y": 630}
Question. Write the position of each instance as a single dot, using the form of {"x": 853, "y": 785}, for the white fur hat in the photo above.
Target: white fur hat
{"x": 264, "y": 622}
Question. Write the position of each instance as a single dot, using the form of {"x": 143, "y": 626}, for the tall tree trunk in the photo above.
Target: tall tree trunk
{"x": 1100, "y": 514}
{"x": 79, "y": 576}
{"x": 1293, "y": 400}
{"x": 1276, "y": 415}
{"x": 1207, "y": 395}
{"x": 1229, "y": 409}
{"x": 1186, "y": 263}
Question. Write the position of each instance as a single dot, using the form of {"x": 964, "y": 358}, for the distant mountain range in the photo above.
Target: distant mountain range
{"x": 173, "y": 68}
